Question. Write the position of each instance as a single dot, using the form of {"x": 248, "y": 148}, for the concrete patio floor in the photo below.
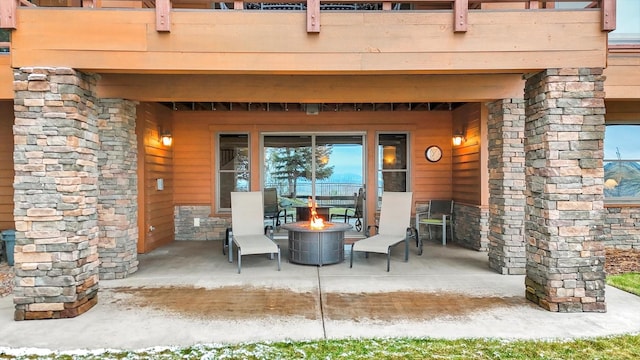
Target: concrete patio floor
{"x": 188, "y": 293}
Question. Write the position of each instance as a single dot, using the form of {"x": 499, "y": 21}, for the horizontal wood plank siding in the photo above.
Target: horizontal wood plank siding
{"x": 623, "y": 77}
{"x": 194, "y": 133}
{"x": 467, "y": 164}
{"x": 622, "y": 112}
{"x": 6, "y": 165}
{"x": 6, "y": 77}
{"x": 350, "y": 42}
{"x": 157, "y": 207}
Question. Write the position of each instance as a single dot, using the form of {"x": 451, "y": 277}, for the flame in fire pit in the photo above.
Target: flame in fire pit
{"x": 314, "y": 221}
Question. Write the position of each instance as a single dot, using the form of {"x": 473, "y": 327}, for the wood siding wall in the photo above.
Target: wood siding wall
{"x": 622, "y": 112}
{"x": 6, "y": 78}
{"x": 194, "y": 146}
{"x": 467, "y": 158}
{"x": 155, "y": 162}
{"x": 6, "y": 165}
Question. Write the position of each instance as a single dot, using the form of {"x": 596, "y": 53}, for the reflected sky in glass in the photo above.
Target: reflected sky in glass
{"x": 626, "y": 138}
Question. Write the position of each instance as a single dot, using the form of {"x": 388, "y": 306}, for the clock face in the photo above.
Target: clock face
{"x": 433, "y": 153}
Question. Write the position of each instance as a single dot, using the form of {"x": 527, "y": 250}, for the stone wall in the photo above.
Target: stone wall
{"x": 471, "y": 226}
{"x": 507, "y": 253}
{"x": 564, "y": 132}
{"x": 211, "y": 228}
{"x": 118, "y": 197}
{"x": 56, "y": 148}
{"x": 622, "y": 227}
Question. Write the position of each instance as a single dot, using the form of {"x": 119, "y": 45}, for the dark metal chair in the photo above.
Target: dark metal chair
{"x": 356, "y": 212}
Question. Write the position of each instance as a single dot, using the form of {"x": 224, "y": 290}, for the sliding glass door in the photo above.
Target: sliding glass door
{"x": 328, "y": 168}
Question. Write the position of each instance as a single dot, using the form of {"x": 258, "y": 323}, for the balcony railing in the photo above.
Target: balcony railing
{"x": 163, "y": 8}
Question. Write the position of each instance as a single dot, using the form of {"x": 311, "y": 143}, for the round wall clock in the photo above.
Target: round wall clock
{"x": 433, "y": 153}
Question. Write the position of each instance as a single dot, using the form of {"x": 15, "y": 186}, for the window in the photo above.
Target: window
{"x": 627, "y": 23}
{"x": 233, "y": 167}
{"x": 392, "y": 163}
{"x": 622, "y": 163}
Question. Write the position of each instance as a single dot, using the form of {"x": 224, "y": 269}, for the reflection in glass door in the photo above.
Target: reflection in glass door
{"x": 332, "y": 175}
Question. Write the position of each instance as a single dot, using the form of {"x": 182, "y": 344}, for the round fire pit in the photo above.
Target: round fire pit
{"x": 310, "y": 246}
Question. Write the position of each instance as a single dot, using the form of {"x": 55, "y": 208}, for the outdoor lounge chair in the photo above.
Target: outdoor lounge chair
{"x": 247, "y": 223}
{"x": 394, "y": 227}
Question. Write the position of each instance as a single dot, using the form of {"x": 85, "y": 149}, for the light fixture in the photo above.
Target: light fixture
{"x": 166, "y": 138}
{"x": 458, "y": 138}
{"x": 389, "y": 154}
{"x": 610, "y": 184}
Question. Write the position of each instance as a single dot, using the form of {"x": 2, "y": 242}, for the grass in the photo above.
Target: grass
{"x": 618, "y": 347}
{"x": 629, "y": 282}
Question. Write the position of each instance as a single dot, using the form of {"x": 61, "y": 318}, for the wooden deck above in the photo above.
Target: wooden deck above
{"x": 254, "y": 42}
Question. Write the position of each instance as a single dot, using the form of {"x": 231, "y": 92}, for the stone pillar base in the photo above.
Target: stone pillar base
{"x": 68, "y": 310}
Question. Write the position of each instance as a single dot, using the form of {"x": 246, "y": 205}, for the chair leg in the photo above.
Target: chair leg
{"x": 278, "y": 259}
{"x": 388, "y": 258}
{"x": 239, "y": 260}
{"x": 406, "y": 249}
{"x": 351, "y": 257}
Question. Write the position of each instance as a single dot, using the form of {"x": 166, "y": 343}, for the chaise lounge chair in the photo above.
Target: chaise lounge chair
{"x": 394, "y": 227}
{"x": 247, "y": 222}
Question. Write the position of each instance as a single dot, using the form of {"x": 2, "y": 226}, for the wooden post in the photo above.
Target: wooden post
{"x": 313, "y": 16}
{"x": 238, "y": 5}
{"x": 386, "y": 5}
{"x": 8, "y": 9}
{"x": 163, "y": 18}
{"x": 608, "y": 15}
{"x": 460, "y": 15}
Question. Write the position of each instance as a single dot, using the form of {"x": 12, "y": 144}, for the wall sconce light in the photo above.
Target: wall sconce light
{"x": 166, "y": 138}
{"x": 458, "y": 138}
{"x": 389, "y": 155}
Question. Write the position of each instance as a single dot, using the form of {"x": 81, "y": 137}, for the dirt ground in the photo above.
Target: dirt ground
{"x": 240, "y": 302}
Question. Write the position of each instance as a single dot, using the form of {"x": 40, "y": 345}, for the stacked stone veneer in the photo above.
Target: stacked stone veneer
{"x": 56, "y": 193}
{"x": 564, "y": 133}
{"x": 211, "y": 228}
{"x": 118, "y": 191}
{"x": 622, "y": 227}
{"x": 507, "y": 254}
{"x": 470, "y": 226}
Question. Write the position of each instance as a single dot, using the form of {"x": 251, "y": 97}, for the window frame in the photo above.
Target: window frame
{"x": 379, "y": 187}
{"x": 219, "y": 171}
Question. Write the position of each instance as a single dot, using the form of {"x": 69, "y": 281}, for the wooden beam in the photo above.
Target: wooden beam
{"x": 8, "y": 9}
{"x": 608, "y": 15}
{"x": 313, "y": 16}
{"x": 163, "y": 18}
{"x": 460, "y": 15}
{"x": 310, "y": 88}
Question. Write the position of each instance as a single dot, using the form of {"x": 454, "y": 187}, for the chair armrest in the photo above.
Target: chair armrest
{"x": 368, "y": 231}
{"x": 268, "y": 230}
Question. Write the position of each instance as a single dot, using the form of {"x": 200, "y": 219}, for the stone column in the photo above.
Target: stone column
{"x": 507, "y": 254}
{"x": 564, "y": 134}
{"x": 118, "y": 197}
{"x": 56, "y": 190}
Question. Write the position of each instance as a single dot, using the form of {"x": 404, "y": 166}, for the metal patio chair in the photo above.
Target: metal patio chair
{"x": 272, "y": 208}
{"x": 394, "y": 227}
{"x": 355, "y": 212}
{"x": 438, "y": 213}
{"x": 247, "y": 224}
